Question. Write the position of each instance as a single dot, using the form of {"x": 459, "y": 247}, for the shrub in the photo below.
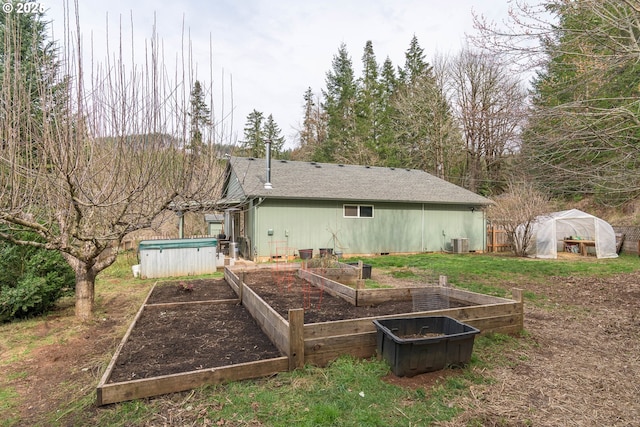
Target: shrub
{"x": 27, "y": 297}
{"x": 31, "y": 280}
{"x": 516, "y": 211}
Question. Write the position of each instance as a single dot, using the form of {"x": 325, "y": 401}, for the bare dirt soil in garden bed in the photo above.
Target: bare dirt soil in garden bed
{"x": 189, "y": 337}
{"x": 285, "y": 290}
{"x": 191, "y": 290}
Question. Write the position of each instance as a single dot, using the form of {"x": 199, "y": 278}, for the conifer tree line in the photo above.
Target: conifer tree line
{"x": 457, "y": 118}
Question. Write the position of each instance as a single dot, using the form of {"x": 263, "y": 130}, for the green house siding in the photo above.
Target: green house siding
{"x": 275, "y": 224}
{"x": 234, "y": 189}
{"x": 443, "y": 223}
{"x": 292, "y": 224}
{"x": 394, "y": 228}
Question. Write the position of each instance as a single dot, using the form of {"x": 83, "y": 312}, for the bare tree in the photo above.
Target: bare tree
{"x": 520, "y": 39}
{"x": 314, "y": 128}
{"x": 490, "y": 106}
{"x": 516, "y": 211}
{"x": 107, "y": 157}
{"x": 533, "y": 26}
{"x": 582, "y": 136}
{"x": 427, "y": 132}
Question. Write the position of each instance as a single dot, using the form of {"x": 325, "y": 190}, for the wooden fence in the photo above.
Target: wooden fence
{"x": 631, "y": 242}
{"x": 497, "y": 239}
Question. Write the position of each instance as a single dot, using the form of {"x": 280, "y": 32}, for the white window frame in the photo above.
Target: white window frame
{"x": 358, "y": 206}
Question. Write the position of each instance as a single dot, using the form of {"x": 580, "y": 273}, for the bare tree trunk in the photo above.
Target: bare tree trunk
{"x": 85, "y": 286}
{"x": 85, "y": 291}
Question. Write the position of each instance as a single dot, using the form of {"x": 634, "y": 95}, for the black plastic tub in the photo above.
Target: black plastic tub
{"x": 366, "y": 269}
{"x": 415, "y": 345}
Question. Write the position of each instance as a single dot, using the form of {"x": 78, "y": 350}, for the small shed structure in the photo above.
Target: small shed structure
{"x": 284, "y": 206}
{"x": 177, "y": 257}
{"x": 215, "y": 223}
{"x": 558, "y": 231}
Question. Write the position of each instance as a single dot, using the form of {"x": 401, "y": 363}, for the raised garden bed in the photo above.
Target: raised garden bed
{"x": 307, "y": 318}
{"x": 322, "y": 303}
{"x": 186, "y": 334}
{"x": 189, "y": 337}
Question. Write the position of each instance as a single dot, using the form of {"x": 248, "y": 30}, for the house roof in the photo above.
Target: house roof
{"x": 312, "y": 180}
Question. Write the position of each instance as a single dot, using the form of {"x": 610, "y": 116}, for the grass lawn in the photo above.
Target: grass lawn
{"x": 349, "y": 392}
{"x": 480, "y": 272}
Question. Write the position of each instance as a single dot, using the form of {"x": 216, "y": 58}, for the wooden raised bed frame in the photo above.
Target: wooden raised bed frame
{"x": 316, "y": 343}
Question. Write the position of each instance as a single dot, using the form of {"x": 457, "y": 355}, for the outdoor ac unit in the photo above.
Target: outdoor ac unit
{"x": 460, "y": 246}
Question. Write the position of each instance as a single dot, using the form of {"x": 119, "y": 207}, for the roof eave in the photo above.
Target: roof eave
{"x": 349, "y": 199}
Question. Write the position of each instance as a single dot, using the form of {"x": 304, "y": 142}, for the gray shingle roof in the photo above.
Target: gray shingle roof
{"x": 311, "y": 180}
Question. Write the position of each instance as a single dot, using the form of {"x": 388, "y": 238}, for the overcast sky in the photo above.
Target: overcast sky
{"x": 274, "y": 50}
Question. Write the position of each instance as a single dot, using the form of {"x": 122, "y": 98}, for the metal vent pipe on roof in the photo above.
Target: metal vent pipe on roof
{"x": 267, "y": 184}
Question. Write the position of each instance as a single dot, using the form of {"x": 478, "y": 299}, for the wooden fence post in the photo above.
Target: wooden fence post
{"x": 296, "y": 338}
{"x": 243, "y": 277}
{"x": 517, "y": 295}
{"x": 494, "y": 239}
{"x": 360, "y": 281}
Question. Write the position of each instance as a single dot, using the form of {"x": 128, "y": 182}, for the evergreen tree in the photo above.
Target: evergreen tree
{"x": 388, "y": 80}
{"x": 383, "y": 118}
{"x": 416, "y": 68}
{"x": 200, "y": 118}
{"x": 339, "y": 105}
{"x": 253, "y": 143}
{"x": 368, "y": 110}
{"x": 414, "y": 112}
{"x": 257, "y": 131}
{"x": 314, "y": 129}
{"x": 28, "y": 63}
{"x": 306, "y": 135}
{"x": 426, "y": 130}
{"x": 386, "y": 147}
{"x": 271, "y": 131}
